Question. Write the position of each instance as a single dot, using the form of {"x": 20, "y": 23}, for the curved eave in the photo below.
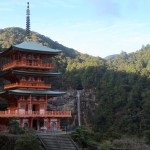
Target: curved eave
{"x": 35, "y": 47}
{"x": 21, "y": 72}
{"x": 29, "y": 46}
{"x": 6, "y": 51}
{"x": 37, "y": 51}
{"x": 36, "y": 92}
{"x": 2, "y": 73}
{"x": 35, "y": 73}
{"x": 2, "y": 92}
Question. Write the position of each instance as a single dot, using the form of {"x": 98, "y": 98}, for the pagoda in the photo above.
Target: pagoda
{"x": 25, "y": 69}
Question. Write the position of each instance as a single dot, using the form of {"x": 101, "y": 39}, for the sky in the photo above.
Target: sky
{"x": 95, "y": 27}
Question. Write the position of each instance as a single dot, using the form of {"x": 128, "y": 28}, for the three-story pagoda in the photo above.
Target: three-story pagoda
{"x": 25, "y": 68}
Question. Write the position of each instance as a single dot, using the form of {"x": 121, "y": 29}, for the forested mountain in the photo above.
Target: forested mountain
{"x": 121, "y": 86}
{"x": 16, "y": 35}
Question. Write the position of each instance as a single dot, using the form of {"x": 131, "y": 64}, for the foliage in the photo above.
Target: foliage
{"x": 130, "y": 144}
{"x": 83, "y": 136}
{"x": 13, "y": 127}
{"x": 147, "y": 135}
{"x": 106, "y": 145}
{"x": 7, "y": 141}
{"x": 28, "y": 141}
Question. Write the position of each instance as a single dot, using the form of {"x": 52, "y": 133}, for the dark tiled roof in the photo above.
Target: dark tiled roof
{"x": 1, "y": 92}
{"x": 30, "y": 46}
{"x": 36, "y": 92}
{"x": 47, "y": 73}
{"x": 33, "y": 46}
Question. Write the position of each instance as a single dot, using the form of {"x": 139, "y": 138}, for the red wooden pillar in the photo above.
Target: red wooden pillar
{"x": 58, "y": 123}
{"x": 38, "y": 124}
{"x": 30, "y": 104}
{"x": 46, "y": 103}
{"x": 48, "y": 124}
{"x": 21, "y": 122}
{"x": 52, "y": 103}
{"x": 30, "y": 122}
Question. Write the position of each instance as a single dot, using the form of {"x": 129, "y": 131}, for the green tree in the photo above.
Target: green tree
{"x": 13, "y": 126}
{"x": 83, "y": 136}
{"x": 28, "y": 141}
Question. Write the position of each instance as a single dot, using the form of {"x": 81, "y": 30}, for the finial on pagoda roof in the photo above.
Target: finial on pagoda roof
{"x": 28, "y": 22}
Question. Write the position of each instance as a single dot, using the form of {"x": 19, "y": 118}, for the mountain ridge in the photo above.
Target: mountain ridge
{"x": 16, "y": 35}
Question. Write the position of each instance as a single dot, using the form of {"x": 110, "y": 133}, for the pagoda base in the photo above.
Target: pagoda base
{"x": 40, "y": 124}
{"x": 37, "y": 123}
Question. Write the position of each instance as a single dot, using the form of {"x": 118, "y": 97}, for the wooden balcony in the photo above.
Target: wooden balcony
{"x": 28, "y": 64}
{"x": 16, "y": 113}
{"x": 33, "y": 85}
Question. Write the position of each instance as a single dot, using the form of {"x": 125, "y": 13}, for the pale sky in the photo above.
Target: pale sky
{"x": 95, "y": 27}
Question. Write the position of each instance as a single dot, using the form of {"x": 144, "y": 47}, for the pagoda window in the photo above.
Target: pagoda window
{"x": 24, "y": 56}
{"x": 18, "y": 57}
{"x": 41, "y": 99}
{"x": 28, "y": 98}
{"x": 8, "y": 60}
{"x": 23, "y": 79}
{"x": 29, "y": 56}
{"x": 22, "y": 98}
{"x": 34, "y": 98}
{"x": 33, "y": 57}
{"x": 37, "y": 57}
{"x": 39, "y": 80}
{"x": 42, "y": 106}
{"x": 31, "y": 79}
{"x": 35, "y": 63}
{"x": 21, "y": 105}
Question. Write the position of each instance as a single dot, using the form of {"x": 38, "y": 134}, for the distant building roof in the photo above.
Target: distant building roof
{"x": 30, "y": 46}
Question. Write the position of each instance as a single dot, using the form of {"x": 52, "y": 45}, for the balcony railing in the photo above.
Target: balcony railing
{"x": 35, "y": 85}
{"x": 28, "y": 64}
{"x": 16, "y": 113}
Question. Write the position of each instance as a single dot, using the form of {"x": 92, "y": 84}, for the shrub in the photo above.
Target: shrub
{"x": 147, "y": 136}
{"x": 7, "y": 141}
{"x": 83, "y": 136}
{"x": 28, "y": 141}
{"x": 13, "y": 127}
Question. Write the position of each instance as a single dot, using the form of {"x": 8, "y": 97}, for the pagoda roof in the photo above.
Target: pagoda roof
{"x": 30, "y": 46}
{"x": 40, "y": 73}
{"x": 34, "y": 92}
{"x": 1, "y": 92}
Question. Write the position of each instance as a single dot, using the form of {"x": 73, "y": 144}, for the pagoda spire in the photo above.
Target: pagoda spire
{"x": 28, "y": 33}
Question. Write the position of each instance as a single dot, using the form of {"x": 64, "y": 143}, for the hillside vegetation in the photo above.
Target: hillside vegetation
{"x": 121, "y": 85}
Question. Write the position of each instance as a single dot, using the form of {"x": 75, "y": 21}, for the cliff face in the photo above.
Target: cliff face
{"x": 87, "y": 101}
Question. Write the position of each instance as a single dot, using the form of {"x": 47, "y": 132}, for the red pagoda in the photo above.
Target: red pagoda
{"x": 26, "y": 68}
